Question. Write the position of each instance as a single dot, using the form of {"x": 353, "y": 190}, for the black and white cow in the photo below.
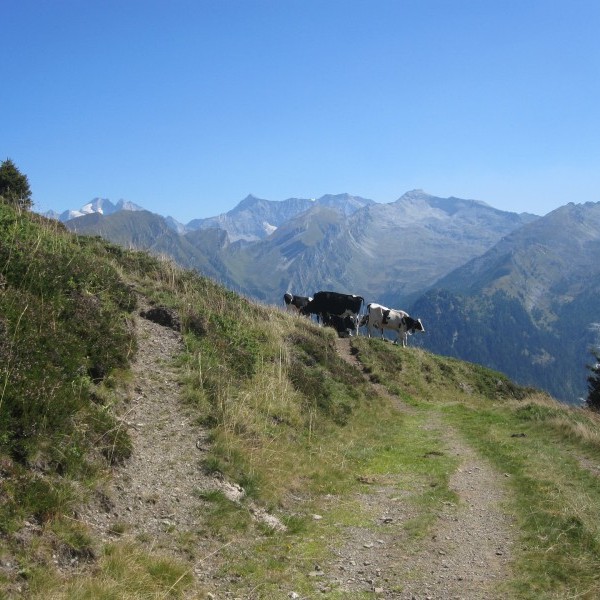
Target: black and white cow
{"x": 380, "y": 317}
{"x": 296, "y": 304}
{"x": 327, "y": 305}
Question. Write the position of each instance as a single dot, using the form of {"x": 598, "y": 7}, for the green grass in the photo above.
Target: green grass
{"x": 63, "y": 328}
{"x": 123, "y": 571}
{"x": 291, "y": 422}
{"x": 224, "y": 518}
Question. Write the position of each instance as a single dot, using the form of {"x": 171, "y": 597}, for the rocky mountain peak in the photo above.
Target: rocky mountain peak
{"x": 248, "y": 202}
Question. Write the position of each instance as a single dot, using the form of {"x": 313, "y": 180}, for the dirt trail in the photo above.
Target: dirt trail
{"x": 468, "y": 550}
{"x": 156, "y": 491}
{"x": 154, "y": 497}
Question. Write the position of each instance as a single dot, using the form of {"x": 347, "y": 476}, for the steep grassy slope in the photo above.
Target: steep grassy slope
{"x": 301, "y": 430}
{"x": 63, "y": 325}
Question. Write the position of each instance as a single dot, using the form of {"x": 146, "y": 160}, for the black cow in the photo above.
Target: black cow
{"x": 343, "y": 325}
{"x": 296, "y": 303}
{"x": 335, "y": 304}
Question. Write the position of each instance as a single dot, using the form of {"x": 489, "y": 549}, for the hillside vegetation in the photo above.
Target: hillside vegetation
{"x": 317, "y": 441}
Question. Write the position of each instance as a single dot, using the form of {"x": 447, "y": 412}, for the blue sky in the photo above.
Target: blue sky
{"x": 186, "y": 107}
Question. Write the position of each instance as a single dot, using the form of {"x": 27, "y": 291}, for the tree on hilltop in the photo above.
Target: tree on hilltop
{"x": 593, "y": 398}
{"x": 14, "y": 186}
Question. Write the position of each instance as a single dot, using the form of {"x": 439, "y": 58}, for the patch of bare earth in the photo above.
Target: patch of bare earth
{"x": 589, "y": 465}
{"x": 155, "y": 490}
{"x": 467, "y": 552}
{"x": 153, "y": 498}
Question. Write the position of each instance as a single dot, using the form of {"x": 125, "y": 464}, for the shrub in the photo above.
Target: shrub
{"x": 14, "y": 186}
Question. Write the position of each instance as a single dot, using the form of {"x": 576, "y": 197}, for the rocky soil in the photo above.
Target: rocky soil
{"x": 156, "y": 493}
{"x": 156, "y": 490}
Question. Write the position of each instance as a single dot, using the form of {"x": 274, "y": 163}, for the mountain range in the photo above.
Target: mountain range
{"x": 385, "y": 252}
{"x": 529, "y": 306}
{"x": 516, "y": 292}
{"x": 101, "y": 206}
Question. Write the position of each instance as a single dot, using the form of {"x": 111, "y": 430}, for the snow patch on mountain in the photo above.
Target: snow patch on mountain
{"x": 101, "y": 206}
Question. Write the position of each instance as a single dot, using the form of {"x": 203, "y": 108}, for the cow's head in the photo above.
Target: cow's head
{"x": 348, "y": 325}
{"x": 412, "y": 325}
{"x": 417, "y": 325}
{"x": 351, "y": 321}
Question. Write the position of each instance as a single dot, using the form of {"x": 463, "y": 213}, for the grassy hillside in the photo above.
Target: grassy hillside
{"x": 63, "y": 329}
{"x": 305, "y": 433}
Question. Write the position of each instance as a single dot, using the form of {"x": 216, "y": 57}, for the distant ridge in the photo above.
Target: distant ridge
{"x": 529, "y": 306}
{"x": 389, "y": 252}
{"x": 255, "y": 218}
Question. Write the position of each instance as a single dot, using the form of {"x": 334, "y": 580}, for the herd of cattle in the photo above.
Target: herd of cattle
{"x": 343, "y": 313}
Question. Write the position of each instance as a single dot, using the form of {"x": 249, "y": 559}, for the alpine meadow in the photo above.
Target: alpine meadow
{"x": 162, "y": 436}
